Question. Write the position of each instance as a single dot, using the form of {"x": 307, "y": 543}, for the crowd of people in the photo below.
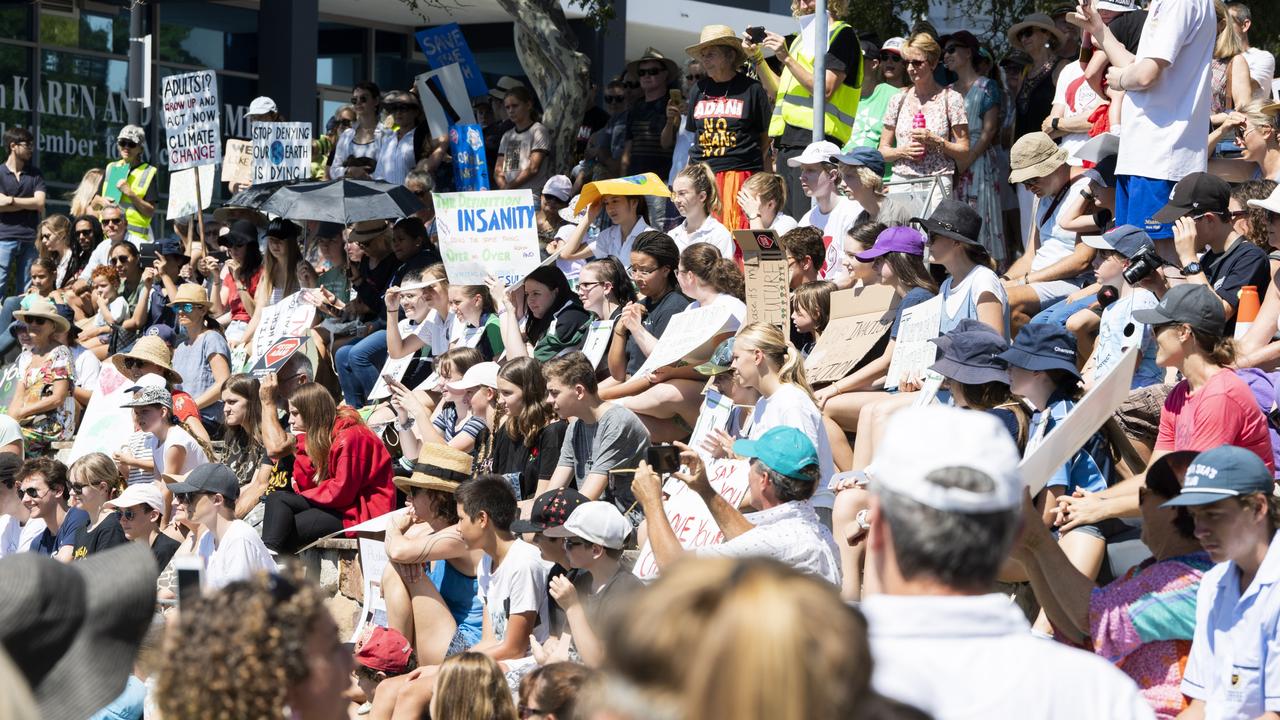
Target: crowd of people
{"x": 1105, "y": 187}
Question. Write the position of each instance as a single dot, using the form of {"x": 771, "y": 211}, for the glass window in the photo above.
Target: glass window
{"x": 15, "y": 22}
{"x": 16, "y": 91}
{"x": 90, "y": 31}
{"x": 81, "y": 111}
{"x": 340, "y": 54}
{"x": 224, "y": 40}
{"x": 390, "y": 70}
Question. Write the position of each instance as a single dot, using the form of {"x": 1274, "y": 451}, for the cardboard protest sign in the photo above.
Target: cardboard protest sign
{"x": 597, "y": 341}
{"x": 182, "y": 191}
{"x": 1068, "y": 436}
{"x": 277, "y": 354}
{"x": 687, "y": 332}
{"x": 191, "y": 117}
{"x": 110, "y": 184}
{"x": 445, "y": 45}
{"x": 470, "y": 164}
{"x": 646, "y": 184}
{"x": 487, "y": 233}
{"x": 912, "y": 352}
{"x": 688, "y": 514}
{"x": 373, "y": 608}
{"x": 764, "y": 267}
{"x": 237, "y": 162}
{"x": 292, "y": 317}
{"x": 105, "y": 426}
{"x": 860, "y": 320}
{"x": 281, "y": 151}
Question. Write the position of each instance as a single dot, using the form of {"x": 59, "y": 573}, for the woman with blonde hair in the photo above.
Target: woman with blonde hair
{"x": 1255, "y": 127}
{"x": 93, "y": 480}
{"x": 696, "y": 198}
{"x": 1231, "y": 86}
{"x": 279, "y": 272}
{"x": 86, "y": 191}
{"x": 762, "y": 199}
{"x": 470, "y": 686}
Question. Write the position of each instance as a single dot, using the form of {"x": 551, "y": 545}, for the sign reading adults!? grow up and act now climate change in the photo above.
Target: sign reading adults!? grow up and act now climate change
{"x": 281, "y": 151}
{"x": 190, "y": 103}
{"x": 487, "y": 233}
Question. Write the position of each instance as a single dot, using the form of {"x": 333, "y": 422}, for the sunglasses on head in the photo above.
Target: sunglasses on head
{"x": 127, "y": 144}
{"x": 649, "y": 72}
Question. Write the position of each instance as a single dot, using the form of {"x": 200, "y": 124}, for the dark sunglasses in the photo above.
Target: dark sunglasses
{"x": 358, "y": 100}
{"x": 85, "y": 232}
{"x": 649, "y": 72}
{"x": 890, "y": 57}
{"x": 32, "y": 493}
{"x": 614, "y": 98}
{"x": 130, "y": 514}
{"x": 917, "y": 63}
{"x": 112, "y": 221}
{"x": 950, "y": 49}
{"x": 133, "y": 363}
{"x": 128, "y": 144}
{"x": 37, "y": 321}
{"x": 189, "y": 499}
{"x": 344, "y": 122}
{"x": 571, "y": 542}
{"x": 77, "y": 489}
{"x": 120, "y": 259}
{"x": 398, "y": 107}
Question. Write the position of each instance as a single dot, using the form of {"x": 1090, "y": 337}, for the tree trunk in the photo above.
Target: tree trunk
{"x": 548, "y": 51}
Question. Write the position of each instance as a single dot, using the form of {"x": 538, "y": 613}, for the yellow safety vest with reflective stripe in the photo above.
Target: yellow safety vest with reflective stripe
{"x": 139, "y": 181}
{"x": 794, "y": 104}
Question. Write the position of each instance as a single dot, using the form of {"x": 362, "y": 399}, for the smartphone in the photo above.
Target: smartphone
{"x": 220, "y": 256}
{"x": 147, "y": 254}
{"x": 190, "y": 572}
{"x": 755, "y": 34}
{"x": 676, "y": 96}
{"x": 664, "y": 458}
{"x": 389, "y": 379}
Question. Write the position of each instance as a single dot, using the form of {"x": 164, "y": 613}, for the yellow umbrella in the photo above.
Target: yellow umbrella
{"x": 646, "y": 184}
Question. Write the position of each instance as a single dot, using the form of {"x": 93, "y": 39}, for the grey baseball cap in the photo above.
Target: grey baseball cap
{"x": 210, "y": 478}
{"x": 1223, "y": 472}
{"x": 1191, "y": 303}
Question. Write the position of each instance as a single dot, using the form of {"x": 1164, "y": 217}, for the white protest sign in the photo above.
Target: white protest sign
{"x": 597, "y": 341}
{"x": 1068, "y": 436}
{"x": 281, "y": 151}
{"x": 688, "y": 514}
{"x": 686, "y": 332}
{"x": 487, "y": 233}
{"x": 373, "y": 610}
{"x": 291, "y": 317}
{"x": 191, "y": 119}
{"x": 912, "y": 352}
{"x": 394, "y": 367}
{"x": 182, "y": 191}
{"x": 105, "y": 426}
{"x": 714, "y": 415}
{"x": 455, "y": 93}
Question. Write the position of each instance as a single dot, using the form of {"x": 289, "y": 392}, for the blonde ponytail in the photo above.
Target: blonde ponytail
{"x": 777, "y": 350}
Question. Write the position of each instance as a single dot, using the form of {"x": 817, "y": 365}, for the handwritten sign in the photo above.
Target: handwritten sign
{"x": 190, "y": 103}
{"x": 237, "y": 163}
{"x": 396, "y": 368}
{"x": 182, "y": 191}
{"x": 105, "y": 426}
{"x": 445, "y": 45}
{"x": 860, "y": 319}
{"x": 687, "y": 333}
{"x": 688, "y": 514}
{"x": 597, "y": 341}
{"x": 487, "y": 233}
{"x": 281, "y": 151}
{"x": 470, "y": 164}
{"x": 913, "y": 353}
{"x": 292, "y": 317}
{"x": 764, "y": 267}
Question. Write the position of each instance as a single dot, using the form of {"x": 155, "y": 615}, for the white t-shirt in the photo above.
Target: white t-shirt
{"x": 712, "y": 231}
{"x": 518, "y": 585}
{"x": 783, "y": 224}
{"x": 1056, "y": 243}
{"x": 1080, "y": 102}
{"x": 10, "y": 534}
{"x": 10, "y": 432}
{"x": 737, "y": 311}
{"x": 34, "y": 528}
{"x": 434, "y": 332}
{"x": 1162, "y": 129}
{"x": 238, "y": 556}
{"x": 88, "y": 367}
{"x": 790, "y": 406}
{"x": 1262, "y": 69}
{"x": 610, "y": 243}
{"x": 118, "y": 307}
{"x": 570, "y": 268}
{"x": 968, "y": 292}
{"x": 835, "y": 228}
{"x": 179, "y": 437}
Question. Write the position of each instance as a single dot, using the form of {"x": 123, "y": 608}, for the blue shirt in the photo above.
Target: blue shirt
{"x": 48, "y": 543}
{"x": 461, "y": 596}
{"x": 1234, "y": 665}
{"x": 1089, "y": 469}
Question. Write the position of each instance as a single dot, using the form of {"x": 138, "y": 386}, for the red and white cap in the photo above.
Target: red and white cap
{"x": 893, "y": 45}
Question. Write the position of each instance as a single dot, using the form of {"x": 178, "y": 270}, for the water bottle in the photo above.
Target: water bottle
{"x": 917, "y": 122}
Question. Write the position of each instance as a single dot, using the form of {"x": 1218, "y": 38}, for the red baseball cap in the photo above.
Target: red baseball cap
{"x": 386, "y": 650}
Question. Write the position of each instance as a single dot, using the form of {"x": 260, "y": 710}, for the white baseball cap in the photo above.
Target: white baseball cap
{"x": 1270, "y": 202}
{"x": 893, "y": 45}
{"x": 1119, "y": 6}
{"x": 262, "y": 105}
{"x": 482, "y": 374}
{"x": 950, "y": 438}
{"x": 559, "y": 187}
{"x": 819, "y": 152}
{"x": 143, "y": 493}
{"x": 596, "y": 522}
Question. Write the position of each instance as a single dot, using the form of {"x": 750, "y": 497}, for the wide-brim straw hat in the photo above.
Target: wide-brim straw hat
{"x": 718, "y": 35}
{"x": 1036, "y": 20}
{"x": 1034, "y": 155}
{"x": 366, "y": 230}
{"x": 151, "y": 349}
{"x": 42, "y": 308}
{"x": 439, "y": 467}
{"x": 191, "y": 293}
{"x": 673, "y": 69}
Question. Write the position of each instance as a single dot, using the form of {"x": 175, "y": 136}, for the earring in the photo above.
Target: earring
{"x": 1047, "y": 46}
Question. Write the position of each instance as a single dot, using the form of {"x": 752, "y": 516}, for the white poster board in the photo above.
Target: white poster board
{"x": 291, "y": 317}
{"x": 912, "y": 352}
{"x": 182, "y": 191}
{"x": 191, "y": 119}
{"x": 688, "y": 514}
{"x": 492, "y": 232}
{"x": 455, "y": 93}
{"x": 1083, "y": 421}
{"x": 686, "y": 332}
{"x": 597, "y": 341}
{"x": 373, "y": 608}
{"x": 714, "y": 415}
{"x": 105, "y": 426}
{"x": 281, "y": 151}
{"x": 396, "y": 368}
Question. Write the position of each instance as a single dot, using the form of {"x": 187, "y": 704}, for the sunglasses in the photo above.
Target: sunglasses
{"x": 84, "y": 232}
{"x": 120, "y": 259}
{"x": 358, "y": 100}
{"x": 890, "y": 57}
{"x": 190, "y": 499}
{"x": 130, "y": 514}
{"x": 343, "y": 122}
{"x": 614, "y": 98}
{"x": 127, "y": 144}
{"x": 37, "y": 321}
{"x": 917, "y": 63}
{"x": 185, "y": 308}
{"x": 398, "y": 107}
{"x": 649, "y": 72}
{"x": 112, "y": 221}
{"x": 133, "y": 363}
{"x": 33, "y": 493}
{"x": 571, "y": 542}
{"x": 950, "y": 49}
{"x": 631, "y": 84}
{"x": 77, "y": 489}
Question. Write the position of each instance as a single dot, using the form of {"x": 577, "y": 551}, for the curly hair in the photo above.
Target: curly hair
{"x": 237, "y": 652}
{"x": 108, "y": 273}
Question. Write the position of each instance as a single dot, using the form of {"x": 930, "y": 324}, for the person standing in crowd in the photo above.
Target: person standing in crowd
{"x": 979, "y": 177}
{"x": 93, "y": 481}
{"x": 926, "y": 130}
{"x": 1039, "y": 37}
{"x": 941, "y": 526}
{"x": 875, "y": 95}
{"x": 1262, "y": 64}
{"x": 138, "y": 191}
{"x": 230, "y": 548}
{"x": 525, "y": 157}
{"x": 729, "y": 117}
{"x": 364, "y": 139}
{"x": 42, "y": 483}
{"x": 22, "y": 197}
{"x": 893, "y": 67}
{"x": 399, "y": 151}
{"x": 676, "y": 134}
{"x": 643, "y": 151}
{"x": 1230, "y": 83}
{"x": 791, "y": 126}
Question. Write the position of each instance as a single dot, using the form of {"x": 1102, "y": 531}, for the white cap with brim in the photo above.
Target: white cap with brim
{"x": 596, "y": 522}
{"x": 144, "y": 493}
{"x": 819, "y": 152}
{"x": 484, "y": 374}
{"x": 262, "y": 105}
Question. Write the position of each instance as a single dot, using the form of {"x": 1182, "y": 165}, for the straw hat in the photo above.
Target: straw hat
{"x": 42, "y": 308}
{"x": 1036, "y": 20}
{"x": 439, "y": 467}
{"x": 151, "y": 349}
{"x": 367, "y": 230}
{"x": 191, "y": 293}
{"x": 1034, "y": 155}
{"x": 718, "y": 35}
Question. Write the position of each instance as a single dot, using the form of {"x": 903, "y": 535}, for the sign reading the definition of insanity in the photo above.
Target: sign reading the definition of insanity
{"x": 191, "y": 119}
{"x": 487, "y": 233}
{"x": 281, "y": 151}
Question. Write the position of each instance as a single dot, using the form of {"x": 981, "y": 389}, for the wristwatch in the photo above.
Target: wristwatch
{"x": 1192, "y": 268}
{"x": 1053, "y": 124}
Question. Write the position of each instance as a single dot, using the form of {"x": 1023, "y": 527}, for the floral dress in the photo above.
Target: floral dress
{"x": 41, "y": 431}
{"x": 980, "y": 184}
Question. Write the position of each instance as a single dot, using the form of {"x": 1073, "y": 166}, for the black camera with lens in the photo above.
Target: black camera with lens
{"x": 1147, "y": 262}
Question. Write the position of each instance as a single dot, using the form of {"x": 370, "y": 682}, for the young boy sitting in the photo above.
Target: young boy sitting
{"x": 383, "y": 653}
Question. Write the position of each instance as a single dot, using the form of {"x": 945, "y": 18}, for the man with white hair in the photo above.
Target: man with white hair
{"x": 946, "y": 505}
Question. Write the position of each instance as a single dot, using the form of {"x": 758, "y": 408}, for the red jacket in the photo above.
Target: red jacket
{"x": 357, "y": 481}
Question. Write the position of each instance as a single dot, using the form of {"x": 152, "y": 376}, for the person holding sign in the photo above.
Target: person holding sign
{"x": 555, "y": 321}
{"x": 655, "y": 262}
{"x": 130, "y": 183}
{"x": 279, "y": 277}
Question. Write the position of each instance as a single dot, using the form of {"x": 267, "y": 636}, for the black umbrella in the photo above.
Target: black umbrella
{"x": 244, "y": 204}
{"x": 342, "y": 201}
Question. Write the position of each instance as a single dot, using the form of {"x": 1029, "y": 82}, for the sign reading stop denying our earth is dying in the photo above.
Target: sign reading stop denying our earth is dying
{"x": 281, "y": 151}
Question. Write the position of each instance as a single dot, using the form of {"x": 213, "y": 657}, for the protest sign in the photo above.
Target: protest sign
{"x": 714, "y": 415}
{"x": 237, "y": 163}
{"x": 190, "y": 102}
{"x": 446, "y": 45}
{"x": 487, "y": 233}
{"x": 597, "y": 341}
{"x": 8, "y": 386}
{"x": 470, "y": 164}
{"x": 912, "y": 351}
{"x": 860, "y": 320}
{"x": 687, "y": 333}
{"x": 394, "y": 367}
{"x": 764, "y": 267}
{"x": 1068, "y": 436}
{"x": 292, "y": 317}
{"x": 277, "y": 354}
{"x": 105, "y": 426}
{"x": 688, "y": 514}
{"x": 373, "y": 607}
{"x": 182, "y": 191}
{"x": 110, "y": 184}
{"x": 281, "y": 151}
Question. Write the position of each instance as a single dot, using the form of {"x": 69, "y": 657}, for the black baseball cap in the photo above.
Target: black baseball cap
{"x": 550, "y": 509}
{"x": 1190, "y": 303}
{"x": 208, "y": 478}
{"x": 1196, "y": 193}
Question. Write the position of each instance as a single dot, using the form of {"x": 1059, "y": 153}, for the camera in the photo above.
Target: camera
{"x": 1141, "y": 266}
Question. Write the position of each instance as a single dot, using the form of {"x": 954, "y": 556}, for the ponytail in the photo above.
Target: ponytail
{"x": 1221, "y": 350}
{"x": 770, "y": 341}
{"x": 704, "y": 181}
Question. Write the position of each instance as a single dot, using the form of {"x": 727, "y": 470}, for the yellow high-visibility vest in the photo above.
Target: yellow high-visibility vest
{"x": 140, "y": 179}
{"x": 794, "y": 104}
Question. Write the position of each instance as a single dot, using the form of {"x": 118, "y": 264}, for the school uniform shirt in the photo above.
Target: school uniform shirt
{"x": 1234, "y": 665}
{"x": 728, "y": 119}
{"x": 107, "y": 534}
{"x": 783, "y": 224}
{"x": 835, "y": 229}
{"x": 610, "y": 243}
{"x": 712, "y": 231}
{"x": 1222, "y": 412}
{"x": 1089, "y": 469}
{"x": 238, "y": 556}
{"x": 48, "y": 543}
{"x": 434, "y": 332}
{"x": 517, "y": 585}
{"x": 789, "y": 533}
{"x": 1243, "y": 263}
{"x": 791, "y": 406}
{"x": 567, "y": 331}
